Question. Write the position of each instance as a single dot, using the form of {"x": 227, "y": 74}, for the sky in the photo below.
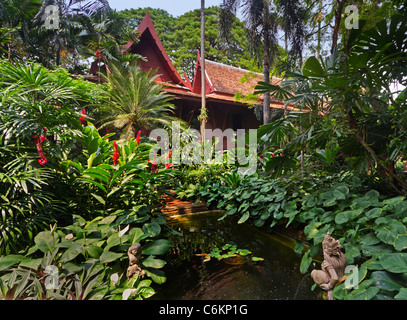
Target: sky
{"x": 174, "y": 7}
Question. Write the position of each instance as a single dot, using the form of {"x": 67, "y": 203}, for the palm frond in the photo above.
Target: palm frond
{"x": 135, "y": 100}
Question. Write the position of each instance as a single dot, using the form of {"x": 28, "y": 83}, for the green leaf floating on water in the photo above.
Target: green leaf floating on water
{"x": 257, "y": 259}
{"x": 228, "y": 251}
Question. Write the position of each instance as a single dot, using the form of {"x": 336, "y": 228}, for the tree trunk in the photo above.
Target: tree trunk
{"x": 203, "y": 77}
{"x": 319, "y": 29}
{"x": 58, "y": 55}
{"x": 266, "y": 73}
{"x": 338, "y": 17}
{"x": 9, "y": 52}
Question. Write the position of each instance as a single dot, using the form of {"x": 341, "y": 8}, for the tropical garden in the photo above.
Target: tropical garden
{"x": 79, "y": 187}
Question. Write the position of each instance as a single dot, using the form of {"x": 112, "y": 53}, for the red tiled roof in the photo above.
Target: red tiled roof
{"x": 222, "y": 81}
{"x": 230, "y": 80}
{"x": 197, "y": 84}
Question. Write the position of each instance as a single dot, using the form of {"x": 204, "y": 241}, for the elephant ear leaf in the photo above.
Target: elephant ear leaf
{"x": 156, "y": 247}
{"x": 312, "y": 68}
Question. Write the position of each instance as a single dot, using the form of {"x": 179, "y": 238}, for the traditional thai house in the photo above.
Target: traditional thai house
{"x": 222, "y": 84}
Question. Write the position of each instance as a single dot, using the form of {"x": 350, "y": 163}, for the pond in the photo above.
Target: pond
{"x": 190, "y": 277}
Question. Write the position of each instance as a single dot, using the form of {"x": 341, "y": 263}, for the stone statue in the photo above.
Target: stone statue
{"x": 134, "y": 268}
{"x": 333, "y": 266}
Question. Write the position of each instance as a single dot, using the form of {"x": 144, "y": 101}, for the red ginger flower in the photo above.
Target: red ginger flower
{"x": 116, "y": 154}
{"x": 138, "y": 137}
{"x": 83, "y": 117}
{"x": 43, "y": 160}
{"x": 154, "y": 163}
{"x": 169, "y": 165}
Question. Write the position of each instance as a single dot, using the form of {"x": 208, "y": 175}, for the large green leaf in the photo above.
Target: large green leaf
{"x": 94, "y": 251}
{"x": 109, "y": 256}
{"x": 72, "y": 252}
{"x": 373, "y": 213}
{"x": 158, "y": 276}
{"x": 138, "y": 234}
{"x": 363, "y": 294}
{"x": 387, "y": 281}
{"x": 400, "y": 242}
{"x": 46, "y": 241}
{"x": 394, "y": 262}
{"x": 153, "y": 262}
{"x": 369, "y": 239}
{"x": 305, "y": 262}
{"x": 345, "y": 216}
{"x": 156, "y": 247}
{"x": 312, "y": 229}
{"x": 388, "y": 232}
{"x": 244, "y": 217}
{"x": 312, "y": 68}
{"x": 153, "y": 228}
{"x": 402, "y": 295}
{"x": 10, "y": 260}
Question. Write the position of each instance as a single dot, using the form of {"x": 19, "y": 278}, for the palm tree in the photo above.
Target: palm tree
{"x": 135, "y": 101}
{"x": 69, "y": 13}
{"x": 16, "y": 15}
{"x": 261, "y": 20}
{"x": 293, "y": 15}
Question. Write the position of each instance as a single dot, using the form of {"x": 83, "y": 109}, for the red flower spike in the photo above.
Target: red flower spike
{"x": 138, "y": 137}
{"x": 43, "y": 160}
{"x": 247, "y": 146}
{"x": 116, "y": 154}
{"x": 43, "y": 138}
{"x": 169, "y": 165}
{"x": 83, "y": 118}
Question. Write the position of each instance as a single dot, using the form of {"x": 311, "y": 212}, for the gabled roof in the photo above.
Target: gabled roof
{"x": 224, "y": 81}
{"x": 230, "y": 80}
{"x": 197, "y": 84}
{"x": 150, "y": 46}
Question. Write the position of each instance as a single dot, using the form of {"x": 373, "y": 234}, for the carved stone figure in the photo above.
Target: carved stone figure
{"x": 134, "y": 268}
{"x": 333, "y": 266}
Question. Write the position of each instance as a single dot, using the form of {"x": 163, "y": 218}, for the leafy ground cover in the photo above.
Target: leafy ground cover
{"x": 370, "y": 226}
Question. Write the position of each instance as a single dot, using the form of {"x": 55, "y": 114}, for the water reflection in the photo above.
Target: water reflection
{"x": 189, "y": 277}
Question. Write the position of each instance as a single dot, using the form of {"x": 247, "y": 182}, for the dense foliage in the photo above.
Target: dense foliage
{"x": 71, "y": 198}
{"x": 350, "y": 121}
{"x": 74, "y": 198}
{"x": 371, "y": 226}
